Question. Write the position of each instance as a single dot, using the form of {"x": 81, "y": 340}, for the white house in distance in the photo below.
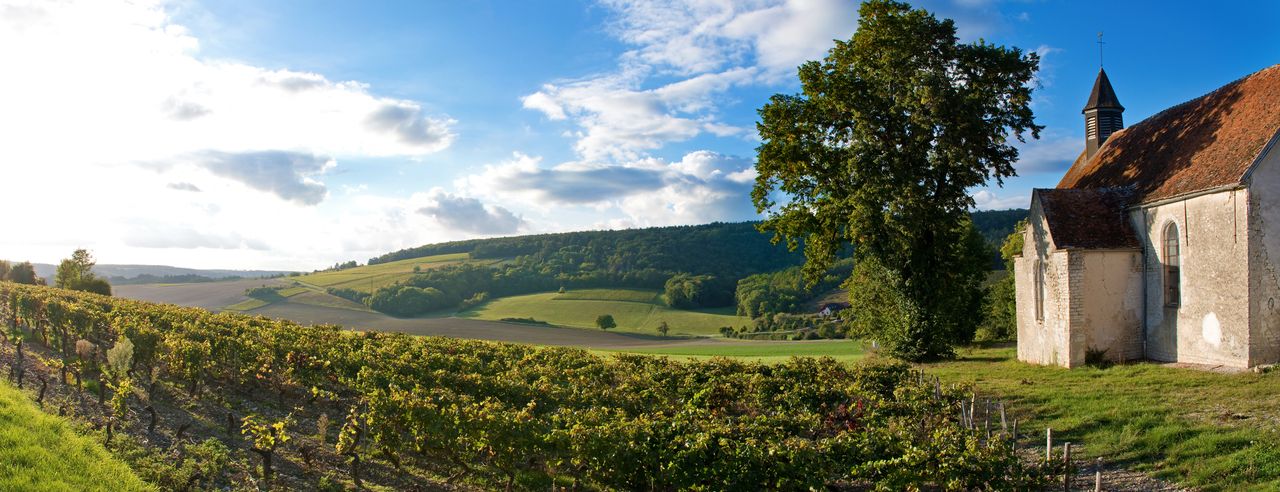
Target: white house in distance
{"x": 1162, "y": 241}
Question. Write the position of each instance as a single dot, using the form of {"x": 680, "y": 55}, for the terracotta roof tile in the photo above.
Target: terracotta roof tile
{"x": 1204, "y": 143}
{"x": 1088, "y": 218}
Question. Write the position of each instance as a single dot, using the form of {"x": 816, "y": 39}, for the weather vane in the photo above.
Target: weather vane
{"x": 1100, "y": 43}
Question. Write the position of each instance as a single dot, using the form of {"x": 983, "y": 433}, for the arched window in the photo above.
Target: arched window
{"x": 1172, "y": 263}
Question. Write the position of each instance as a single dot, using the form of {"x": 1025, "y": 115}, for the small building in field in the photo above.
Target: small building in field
{"x": 832, "y": 308}
{"x": 1162, "y": 241}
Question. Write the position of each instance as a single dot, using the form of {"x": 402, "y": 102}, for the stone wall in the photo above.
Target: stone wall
{"x": 1264, "y": 257}
{"x": 1046, "y": 340}
{"x": 1211, "y": 323}
{"x": 1106, "y": 310}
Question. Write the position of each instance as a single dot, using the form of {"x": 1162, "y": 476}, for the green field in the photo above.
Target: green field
{"x": 766, "y": 352}
{"x": 635, "y": 311}
{"x": 293, "y": 291}
{"x": 247, "y": 305}
{"x": 371, "y": 277}
{"x": 39, "y": 451}
{"x": 1203, "y": 429}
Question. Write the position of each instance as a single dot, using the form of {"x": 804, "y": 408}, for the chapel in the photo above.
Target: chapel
{"x": 1162, "y": 241}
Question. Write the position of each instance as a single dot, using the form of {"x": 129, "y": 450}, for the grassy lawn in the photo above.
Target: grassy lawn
{"x": 766, "y": 352}
{"x": 368, "y": 278}
{"x": 635, "y": 311}
{"x": 247, "y": 305}
{"x": 325, "y": 300}
{"x": 39, "y": 451}
{"x": 293, "y": 291}
{"x": 1208, "y": 430}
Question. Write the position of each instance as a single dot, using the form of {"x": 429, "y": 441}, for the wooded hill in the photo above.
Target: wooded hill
{"x": 701, "y": 263}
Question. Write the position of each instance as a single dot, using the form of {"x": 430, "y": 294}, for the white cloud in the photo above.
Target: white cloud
{"x": 469, "y": 214}
{"x": 112, "y": 105}
{"x": 1052, "y": 153}
{"x": 702, "y": 187}
{"x": 545, "y": 103}
{"x": 985, "y": 199}
{"x": 786, "y": 35}
{"x": 619, "y": 120}
{"x": 702, "y": 36}
{"x": 710, "y": 47}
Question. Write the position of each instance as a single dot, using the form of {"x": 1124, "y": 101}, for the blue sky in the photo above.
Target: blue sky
{"x": 254, "y": 134}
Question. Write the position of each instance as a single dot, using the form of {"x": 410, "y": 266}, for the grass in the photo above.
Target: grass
{"x": 635, "y": 311}
{"x": 39, "y": 451}
{"x": 293, "y": 291}
{"x": 766, "y": 352}
{"x": 1207, "y": 430}
{"x": 325, "y": 300}
{"x": 371, "y": 277}
{"x": 609, "y": 295}
{"x": 247, "y": 305}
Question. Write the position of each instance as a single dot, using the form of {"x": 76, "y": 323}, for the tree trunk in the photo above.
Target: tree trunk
{"x": 151, "y": 426}
{"x": 266, "y": 465}
{"x": 355, "y": 470}
{"x": 231, "y": 423}
{"x": 44, "y": 384}
{"x": 306, "y": 450}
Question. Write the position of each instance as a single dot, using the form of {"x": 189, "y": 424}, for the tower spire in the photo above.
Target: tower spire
{"x": 1103, "y": 114}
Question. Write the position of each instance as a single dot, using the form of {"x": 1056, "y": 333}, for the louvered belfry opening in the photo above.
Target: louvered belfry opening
{"x": 1103, "y": 114}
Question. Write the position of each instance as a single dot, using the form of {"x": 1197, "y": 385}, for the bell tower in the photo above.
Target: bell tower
{"x": 1103, "y": 114}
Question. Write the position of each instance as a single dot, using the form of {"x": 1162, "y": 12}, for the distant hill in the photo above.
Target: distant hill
{"x": 700, "y": 263}
{"x": 995, "y": 225}
{"x": 733, "y": 247}
{"x": 117, "y": 274}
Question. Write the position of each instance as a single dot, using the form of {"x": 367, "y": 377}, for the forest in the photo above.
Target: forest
{"x": 695, "y": 266}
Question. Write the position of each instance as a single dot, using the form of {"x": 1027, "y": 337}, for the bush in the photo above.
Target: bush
{"x": 264, "y": 293}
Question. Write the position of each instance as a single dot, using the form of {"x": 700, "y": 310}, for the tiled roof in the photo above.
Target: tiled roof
{"x": 1088, "y": 218}
{"x": 1103, "y": 96}
{"x": 1205, "y": 143}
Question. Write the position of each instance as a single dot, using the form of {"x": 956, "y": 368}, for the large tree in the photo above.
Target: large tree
{"x": 22, "y": 273}
{"x": 879, "y": 151}
{"x": 76, "y": 273}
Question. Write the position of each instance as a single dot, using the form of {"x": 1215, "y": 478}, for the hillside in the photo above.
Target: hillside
{"x": 634, "y": 310}
{"x": 119, "y": 274}
{"x": 297, "y": 407}
{"x": 39, "y": 451}
{"x": 715, "y": 256}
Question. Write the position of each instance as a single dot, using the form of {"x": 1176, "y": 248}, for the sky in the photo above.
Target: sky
{"x": 256, "y": 134}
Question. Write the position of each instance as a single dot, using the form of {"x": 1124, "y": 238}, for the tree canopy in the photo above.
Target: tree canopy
{"x": 76, "y": 273}
{"x": 879, "y": 151}
{"x": 22, "y": 273}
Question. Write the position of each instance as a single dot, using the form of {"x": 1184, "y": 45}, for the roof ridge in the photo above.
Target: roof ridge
{"x": 1206, "y": 95}
{"x": 1207, "y": 141}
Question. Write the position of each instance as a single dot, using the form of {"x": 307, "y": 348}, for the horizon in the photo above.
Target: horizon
{"x": 286, "y": 136}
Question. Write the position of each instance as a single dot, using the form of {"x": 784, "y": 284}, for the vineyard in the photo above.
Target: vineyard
{"x": 194, "y": 400}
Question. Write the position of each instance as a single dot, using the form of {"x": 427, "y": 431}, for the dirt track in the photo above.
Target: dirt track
{"x": 216, "y": 295}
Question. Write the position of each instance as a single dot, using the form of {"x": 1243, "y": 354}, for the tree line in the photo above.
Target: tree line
{"x": 74, "y": 273}
{"x": 695, "y": 266}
